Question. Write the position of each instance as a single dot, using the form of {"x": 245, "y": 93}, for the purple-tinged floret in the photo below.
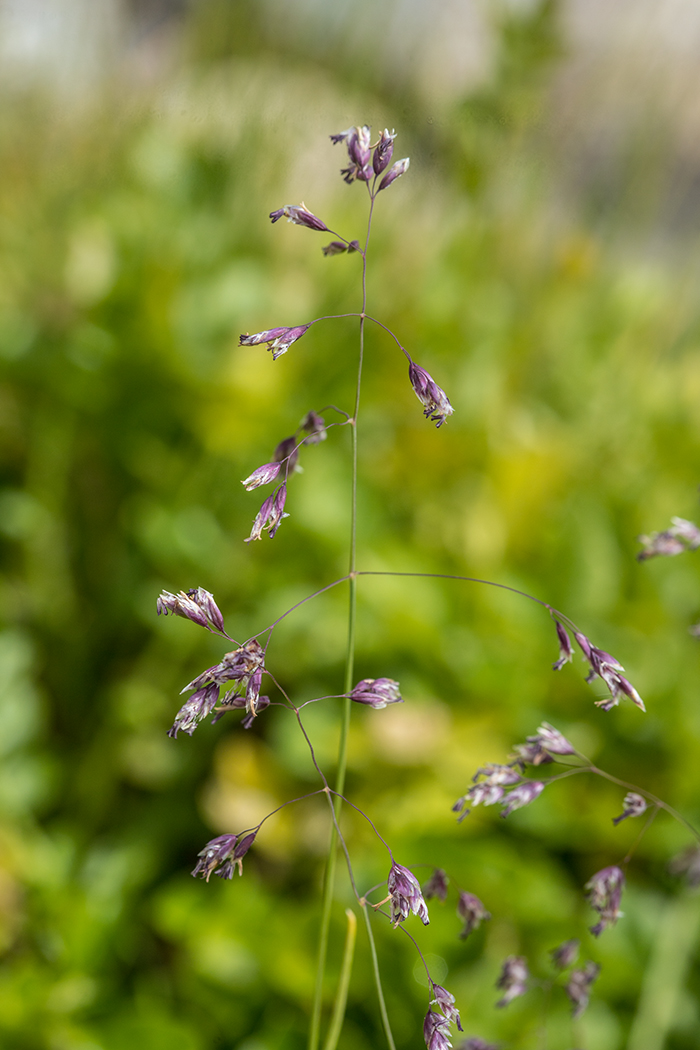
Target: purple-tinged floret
{"x": 377, "y": 692}
{"x": 566, "y": 954}
{"x": 196, "y": 605}
{"x": 435, "y": 401}
{"x": 279, "y": 340}
{"x": 436, "y": 1031}
{"x": 261, "y": 476}
{"x": 683, "y": 535}
{"x": 513, "y": 979}
{"x": 405, "y": 894}
{"x": 436, "y": 886}
{"x": 604, "y": 891}
{"x": 395, "y": 171}
{"x": 270, "y": 515}
{"x": 381, "y": 158}
{"x": 522, "y": 795}
{"x": 605, "y": 666}
{"x": 566, "y": 649}
{"x": 300, "y": 215}
{"x": 578, "y": 987}
{"x": 633, "y": 806}
{"x": 195, "y": 709}
{"x": 472, "y": 912}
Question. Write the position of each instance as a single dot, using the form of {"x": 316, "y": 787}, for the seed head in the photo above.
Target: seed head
{"x": 377, "y": 692}
{"x": 279, "y": 340}
{"x": 406, "y": 897}
{"x": 436, "y": 404}
{"x": 300, "y": 215}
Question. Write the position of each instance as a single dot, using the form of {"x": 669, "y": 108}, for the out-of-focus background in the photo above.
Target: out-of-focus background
{"x": 541, "y": 260}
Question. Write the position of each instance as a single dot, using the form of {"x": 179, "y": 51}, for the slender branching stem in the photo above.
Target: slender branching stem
{"x": 341, "y": 996}
{"x": 378, "y": 980}
{"x": 329, "y": 882}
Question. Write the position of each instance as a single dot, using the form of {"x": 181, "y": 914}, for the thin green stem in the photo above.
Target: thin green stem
{"x": 341, "y": 996}
{"x": 378, "y": 981}
{"x": 329, "y": 882}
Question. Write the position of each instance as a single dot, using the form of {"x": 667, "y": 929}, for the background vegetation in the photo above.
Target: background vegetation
{"x": 135, "y": 247}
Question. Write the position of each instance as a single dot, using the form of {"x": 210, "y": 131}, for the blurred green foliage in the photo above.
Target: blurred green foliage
{"x": 135, "y": 247}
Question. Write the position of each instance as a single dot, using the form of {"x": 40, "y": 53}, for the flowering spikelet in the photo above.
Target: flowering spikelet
{"x": 436, "y": 886}
{"x": 436, "y": 1031}
{"x": 605, "y": 666}
{"x": 270, "y": 515}
{"x": 513, "y": 979}
{"x": 578, "y": 987}
{"x": 357, "y": 140}
{"x": 197, "y": 605}
{"x": 222, "y": 854}
{"x": 244, "y": 666}
{"x": 435, "y": 401}
{"x": 300, "y": 215}
{"x": 472, "y": 912}
{"x": 381, "y": 158}
{"x": 400, "y": 167}
{"x": 522, "y": 795}
{"x": 446, "y": 1003}
{"x": 604, "y": 891}
{"x": 566, "y": 649}
{"x": 406, "y": 897}
{"x": 682, "y": 536}
{"x": 287, "y": 452}
{"x": 236, "y": 701}
{"x": 538, "y": 750}
{"x": 338, "y": 247}
{"x": 194, "y": 710}
{"x": 633, "y": 806}
{"x": 279, "y": 340}
{"x": 377, "y": 692}
{"x": 314, "y": 427}
{"x": 566, "y": 954}
{"x": 261, "y": 476}
{"x": 488, "y": 791}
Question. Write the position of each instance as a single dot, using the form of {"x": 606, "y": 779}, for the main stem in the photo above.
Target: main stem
{"x": 329, "y": 881}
